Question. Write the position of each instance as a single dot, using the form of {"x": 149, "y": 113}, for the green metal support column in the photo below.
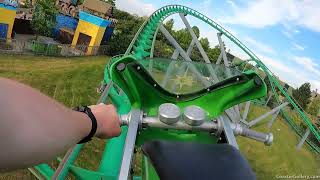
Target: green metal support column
{"x": 74, "y": 154}
{"x": 44, "y": 170}
{"x": 112, "y": 155}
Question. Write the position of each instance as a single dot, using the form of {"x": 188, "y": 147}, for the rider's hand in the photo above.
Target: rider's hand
{"x": 107, "y": 119}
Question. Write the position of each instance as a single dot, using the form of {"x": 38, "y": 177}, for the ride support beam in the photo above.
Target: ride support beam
{"x": 135, "y": 118}
{"x": 231, "y": 114}
{"x": 224, "y": 55}
{"x": 152, "y": 49}
{"x": 246, "y": 111}
{"x": 274, "y": 116}
{"x": 268, "y": 99}
{"x": 303, "y": 139}
{"x": 198, "y": 44}
{"x": 237, "y": 110}
{"x": 234, "y": 113}
{"x": 175, "y": 55}
{"x": 228, "y": 131}
{"x": 219, "y": 59}
{"x": 274, "y": 110}
{"x": 154, "y": 42}
{"x": 183, "y": 54}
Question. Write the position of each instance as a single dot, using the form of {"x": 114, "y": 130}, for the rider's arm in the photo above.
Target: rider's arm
{"x": 34, "y": 128}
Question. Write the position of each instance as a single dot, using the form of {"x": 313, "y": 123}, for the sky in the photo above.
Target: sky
{"x": 284, "y": 34}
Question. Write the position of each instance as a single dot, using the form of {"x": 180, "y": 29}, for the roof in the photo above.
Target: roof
{"x": 97, "y": 5}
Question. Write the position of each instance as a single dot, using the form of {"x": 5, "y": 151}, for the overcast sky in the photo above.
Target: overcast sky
{"x": 285, "y": 34}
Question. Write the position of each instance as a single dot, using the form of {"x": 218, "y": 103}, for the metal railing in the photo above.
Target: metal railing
{"x": 13, "y": 46}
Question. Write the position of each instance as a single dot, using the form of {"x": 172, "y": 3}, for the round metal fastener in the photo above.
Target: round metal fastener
{"x": 269, "y": 140}
{"x": 121, "y": 66}
{"x": 194, "y": 115}
{"x": 169, "y": 113}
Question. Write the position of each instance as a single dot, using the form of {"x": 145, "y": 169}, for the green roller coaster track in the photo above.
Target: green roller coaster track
{"x": 142, "y": 46}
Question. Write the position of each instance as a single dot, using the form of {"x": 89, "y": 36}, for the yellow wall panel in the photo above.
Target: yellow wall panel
{"x": 95, "y": 32}
{"x": 7, "y": 17}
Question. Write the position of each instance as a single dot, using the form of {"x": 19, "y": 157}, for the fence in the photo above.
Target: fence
{"x": 13, "y": 46}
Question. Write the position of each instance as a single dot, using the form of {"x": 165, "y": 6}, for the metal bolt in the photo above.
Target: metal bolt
{"x": 138, "y": 68}
{"x": 121, "y": 66}
{"x": 155, "y": 85}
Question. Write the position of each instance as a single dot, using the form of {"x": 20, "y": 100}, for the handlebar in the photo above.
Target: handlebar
{"x": 213, "y": 126}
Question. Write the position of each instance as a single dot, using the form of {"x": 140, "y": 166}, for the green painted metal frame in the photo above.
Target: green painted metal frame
{"x": 136, "y": 82}
{"x": 140, "y": 48}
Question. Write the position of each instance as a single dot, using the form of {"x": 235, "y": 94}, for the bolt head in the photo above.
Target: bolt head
{"x": 121, "y": 66}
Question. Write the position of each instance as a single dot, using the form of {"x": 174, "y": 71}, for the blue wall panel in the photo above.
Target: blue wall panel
{"x": 93, "y": 19}
{"x": 107, "y": 35}
{"x": 63, "y": 21}
{"x": 3, "y": 31}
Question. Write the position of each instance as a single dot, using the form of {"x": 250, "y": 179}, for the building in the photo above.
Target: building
{"x": 8, "y": 10}
{"x": 89, "y": 32}
{"x": 95, "y": 24}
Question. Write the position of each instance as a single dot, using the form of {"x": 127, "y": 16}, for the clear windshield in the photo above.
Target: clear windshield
{"x": 182, "y": 77}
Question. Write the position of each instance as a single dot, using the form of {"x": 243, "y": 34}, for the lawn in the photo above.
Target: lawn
{"x": 73, "y": 81}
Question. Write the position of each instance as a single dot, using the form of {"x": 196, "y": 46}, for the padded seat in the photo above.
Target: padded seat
{"x": 181, "y": 160}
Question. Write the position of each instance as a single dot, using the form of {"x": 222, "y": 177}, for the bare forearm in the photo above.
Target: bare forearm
{"x": 35, "y": 128}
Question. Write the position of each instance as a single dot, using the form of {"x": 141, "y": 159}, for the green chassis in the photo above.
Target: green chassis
{"x": 138, "y": 91}
{"x": 144, "y": 93}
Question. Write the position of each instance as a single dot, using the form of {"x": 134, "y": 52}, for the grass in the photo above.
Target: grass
{"x": 281, "y": 158}
{"x": 73, "y": 81}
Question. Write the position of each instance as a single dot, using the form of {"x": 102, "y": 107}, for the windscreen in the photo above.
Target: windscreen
{"x": 184, "y": 77}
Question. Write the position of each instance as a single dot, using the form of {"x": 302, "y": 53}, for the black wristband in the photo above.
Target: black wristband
{"x": 87, "y": 111}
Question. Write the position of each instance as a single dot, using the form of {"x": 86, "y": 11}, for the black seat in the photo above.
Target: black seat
{"x": 180, "y": 160}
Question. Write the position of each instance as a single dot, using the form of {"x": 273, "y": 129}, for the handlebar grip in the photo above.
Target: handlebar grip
{"x": 266, "y": 138}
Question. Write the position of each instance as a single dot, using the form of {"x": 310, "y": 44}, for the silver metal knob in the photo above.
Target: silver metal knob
{"x": 169, "y": 113}
{"x": 269, "y": 139}
{"x": 194, "y": 115}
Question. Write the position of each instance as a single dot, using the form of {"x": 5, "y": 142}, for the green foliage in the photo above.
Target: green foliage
{"x": 314, "y": 107}
{"x": 213, "y": 53}
{"x": 129, "y": 24}
{"x": 112, "y": 2}
{"x": 124, "y": 32}
{"x": 43, "y": 20}
{"x": 302, "y": 95}
{"x": 205, "y": 43}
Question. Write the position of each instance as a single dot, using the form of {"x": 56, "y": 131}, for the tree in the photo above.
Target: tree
{"x": 112, "y": 2}
{"x": 44, "y": 17}
{"x": 205, "y": 44}
{"x": 124, "y": 31}
{"x": 314, "y": 107}
{"x": 302, "y": 95}
{"x": 213, "y": 53}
